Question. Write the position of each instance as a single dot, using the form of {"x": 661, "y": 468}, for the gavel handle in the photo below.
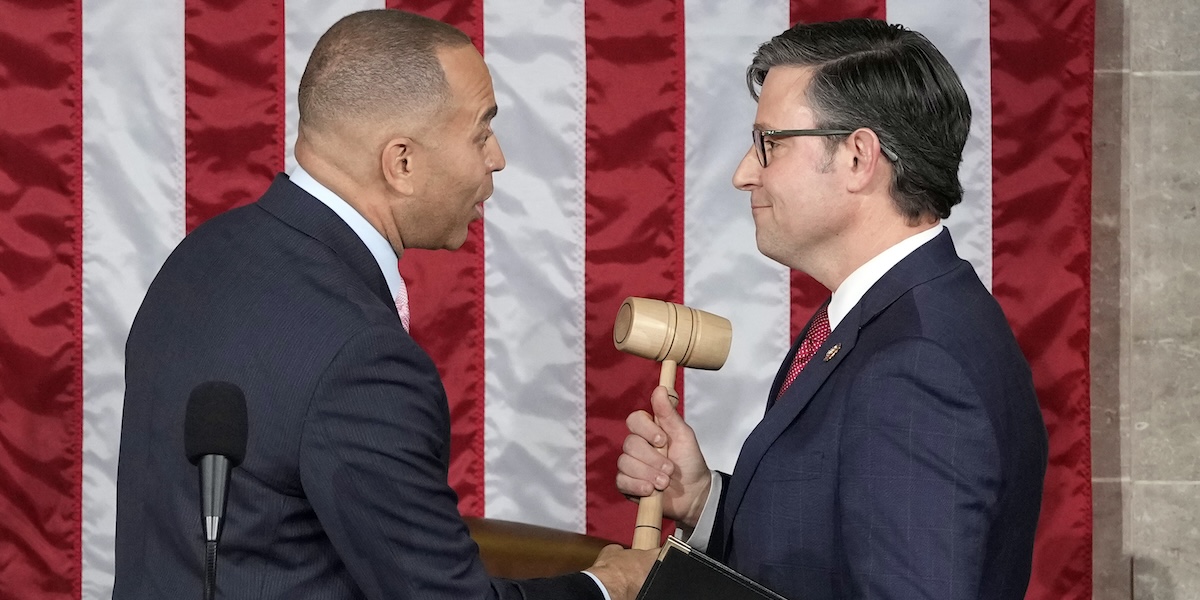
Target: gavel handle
{"x": 647, "y": 533}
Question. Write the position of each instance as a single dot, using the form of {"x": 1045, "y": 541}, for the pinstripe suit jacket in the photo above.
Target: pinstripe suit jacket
{"x": 343, "y": 493}
{"x": 908, "y": 463}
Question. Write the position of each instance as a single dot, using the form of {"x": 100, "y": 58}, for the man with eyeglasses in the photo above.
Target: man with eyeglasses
{"x": 902, "y": 450}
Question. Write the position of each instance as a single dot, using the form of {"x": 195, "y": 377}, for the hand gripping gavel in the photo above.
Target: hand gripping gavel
{"x": 674, "y": 335}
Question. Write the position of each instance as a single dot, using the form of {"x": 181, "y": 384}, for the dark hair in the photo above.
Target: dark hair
{"x": 375, "y": 63}
{"x": 892, "y": 80}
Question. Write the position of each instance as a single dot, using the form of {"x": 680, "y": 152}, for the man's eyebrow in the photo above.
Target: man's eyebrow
{"x": 489, "y": 114}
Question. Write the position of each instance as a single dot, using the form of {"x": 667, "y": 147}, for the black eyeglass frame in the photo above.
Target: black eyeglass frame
{"x": 759, "y": 136}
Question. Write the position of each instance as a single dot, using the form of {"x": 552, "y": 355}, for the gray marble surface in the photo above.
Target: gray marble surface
{"x": 1163, "y": 35}
{"x": 1165, "y": 536}
{"x": 1109, "y": 186}
{"x": 1146, "y": 300}
{"x": 1111, "y": 564}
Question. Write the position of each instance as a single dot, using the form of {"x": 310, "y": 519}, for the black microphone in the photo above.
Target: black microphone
{"x": 214, "y": 436}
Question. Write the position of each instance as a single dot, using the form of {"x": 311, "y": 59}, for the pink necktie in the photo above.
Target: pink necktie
{"x": 402, "y": 304}
{"x": 818, "y": 332}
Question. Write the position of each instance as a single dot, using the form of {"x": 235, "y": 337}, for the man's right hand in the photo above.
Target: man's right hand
{"x": 623, "y": 571}
{"x": 682, "y": 475}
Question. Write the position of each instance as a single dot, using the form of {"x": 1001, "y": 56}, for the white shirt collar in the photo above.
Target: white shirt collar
{"x": 375, "y": 242}
{"x": 856, "y": 285}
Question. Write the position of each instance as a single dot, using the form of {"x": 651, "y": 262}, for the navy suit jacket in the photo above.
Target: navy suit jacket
{"x": 906, "y": 460}
{"x": 343, "y": 493}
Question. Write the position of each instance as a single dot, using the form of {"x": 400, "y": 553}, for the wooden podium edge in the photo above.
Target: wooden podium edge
{"x": 522, "y": 551}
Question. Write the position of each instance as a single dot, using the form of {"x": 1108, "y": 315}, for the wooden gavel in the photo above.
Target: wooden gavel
{"x": 676, "y": 336}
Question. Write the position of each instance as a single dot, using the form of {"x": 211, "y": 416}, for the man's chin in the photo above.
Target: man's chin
{"x": 457, "y": 241}
{"x": 768, "y": 250}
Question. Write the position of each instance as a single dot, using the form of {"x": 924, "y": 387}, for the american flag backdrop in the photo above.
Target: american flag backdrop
{"x": 126, "y": 123}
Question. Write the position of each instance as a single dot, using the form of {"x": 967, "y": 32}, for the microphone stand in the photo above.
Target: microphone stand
{"x": 210, "y": 569}
{"x": 214, "y": 438}
{"x": 215, "y": 470}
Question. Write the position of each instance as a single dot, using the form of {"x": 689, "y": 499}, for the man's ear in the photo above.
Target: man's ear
{"x": 865, "y": 154}
{"x": 400, "y": 161}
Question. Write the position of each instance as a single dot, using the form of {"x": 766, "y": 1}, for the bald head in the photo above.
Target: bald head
{"x": 376, "y": 66}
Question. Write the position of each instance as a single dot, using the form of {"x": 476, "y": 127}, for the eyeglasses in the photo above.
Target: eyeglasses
{"x": 760, "y": 135}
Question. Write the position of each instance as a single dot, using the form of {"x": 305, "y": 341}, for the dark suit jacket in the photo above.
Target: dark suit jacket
{"x": 343, "y": 492}
{"x": 908, "y": 463}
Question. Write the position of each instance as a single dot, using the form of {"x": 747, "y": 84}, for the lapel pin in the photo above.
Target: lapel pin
{"x": 832, "y": 352}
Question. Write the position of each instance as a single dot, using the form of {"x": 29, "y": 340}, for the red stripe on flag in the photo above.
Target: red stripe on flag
{"x": 806, "y": 293}
{"x": 234, "y": 86}
{"x": 634, "y": 218}
{"x": 815, "y": 11}
{"x": 1042, "y": 81}
{"x": 446, "y": 297}
{"x": 41, "y": 373}
{"x": 467, "y": 15}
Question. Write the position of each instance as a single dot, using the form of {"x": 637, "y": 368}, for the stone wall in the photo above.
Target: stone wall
{"x": 1146, "y": 300}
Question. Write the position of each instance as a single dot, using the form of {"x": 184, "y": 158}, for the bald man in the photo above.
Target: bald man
{"x": 296, "y": 299}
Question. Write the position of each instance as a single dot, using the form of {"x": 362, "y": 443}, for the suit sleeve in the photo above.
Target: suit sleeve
{"x": 374, "y": 462}
{"x": 919, "y": 476}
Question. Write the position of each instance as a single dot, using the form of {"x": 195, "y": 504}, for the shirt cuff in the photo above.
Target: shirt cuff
{"x": 699, "y": 536}
{"x": 603, "y": 590}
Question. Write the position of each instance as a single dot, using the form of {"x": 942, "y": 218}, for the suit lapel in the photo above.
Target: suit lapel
{"x": 298, "y": 209}
{"x": 785, "y": 410}
{"x": 931, "y": 260}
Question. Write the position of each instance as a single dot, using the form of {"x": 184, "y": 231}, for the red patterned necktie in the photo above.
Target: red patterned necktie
{"x": 818, "y": 332}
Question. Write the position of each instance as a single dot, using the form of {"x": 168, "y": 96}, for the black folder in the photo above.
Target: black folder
{"x": 683, "y": 573}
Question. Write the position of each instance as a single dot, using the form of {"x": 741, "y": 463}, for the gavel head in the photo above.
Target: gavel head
{"x": 663, "y": 331}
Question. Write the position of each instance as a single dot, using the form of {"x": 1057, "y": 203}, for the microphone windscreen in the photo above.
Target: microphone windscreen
{"x": 215, "y": 422}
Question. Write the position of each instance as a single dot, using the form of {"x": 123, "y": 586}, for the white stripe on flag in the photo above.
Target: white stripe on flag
{"x": 133, "y": 190}
{"x": 534, "y": 250}
{"x": 724, "y": 272}
{"x": 961, "y": 30}
{"x": 305, "y": 21}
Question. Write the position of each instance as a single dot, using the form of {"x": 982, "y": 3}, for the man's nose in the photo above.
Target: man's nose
{"x": 496, "y": 160}
{"x": 745, "y": 176}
